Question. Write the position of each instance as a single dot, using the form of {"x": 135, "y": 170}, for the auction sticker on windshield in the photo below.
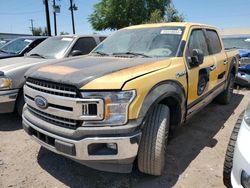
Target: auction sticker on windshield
{"x": 67, "y": 39}
{"x": 171, "y": 32}
{"x": 27, "y": 40}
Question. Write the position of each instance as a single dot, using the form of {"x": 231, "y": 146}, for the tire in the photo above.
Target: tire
{"x": 20, "y": 103}
{"x": 226, "y": 96}
{"x": 228, "y": 163}
{"x": 152, "y": 150}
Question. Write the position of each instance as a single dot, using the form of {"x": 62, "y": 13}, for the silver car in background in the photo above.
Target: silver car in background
{"x": 12, "y": 70}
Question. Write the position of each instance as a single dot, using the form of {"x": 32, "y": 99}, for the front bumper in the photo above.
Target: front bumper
{"x": 8, "y": 100}
{"x": 241, "y": 159}
{"x": 91, "y": 150}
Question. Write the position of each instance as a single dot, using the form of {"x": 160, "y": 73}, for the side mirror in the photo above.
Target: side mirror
{"x": 197, "y": 57}
{"x": 76, "y": 53}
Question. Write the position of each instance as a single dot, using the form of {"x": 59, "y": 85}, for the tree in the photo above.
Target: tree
{"x": 38, "y": 31}
{"x": 64, "y": 33}
{"x": 171, "y": 15}
{"x": 116, "y": 14}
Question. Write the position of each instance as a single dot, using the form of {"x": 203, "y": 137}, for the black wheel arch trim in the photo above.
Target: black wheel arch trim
{"x": 232, "y": 66}
{"x": 165, "y": 90}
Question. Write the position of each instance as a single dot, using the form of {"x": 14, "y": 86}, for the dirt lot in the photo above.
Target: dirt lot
{"x": 195, "y": 156}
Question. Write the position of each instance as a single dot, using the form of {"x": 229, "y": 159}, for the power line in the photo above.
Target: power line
{"x": 20, "y": 13}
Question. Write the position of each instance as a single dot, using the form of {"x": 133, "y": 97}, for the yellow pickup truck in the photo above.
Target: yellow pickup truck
{"x": 121, "y": 102}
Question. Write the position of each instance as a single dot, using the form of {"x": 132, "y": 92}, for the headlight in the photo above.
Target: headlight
{"x": 116, "y": 106}
{"x": 247, "y": 115}
{"x": 5, "y": 83}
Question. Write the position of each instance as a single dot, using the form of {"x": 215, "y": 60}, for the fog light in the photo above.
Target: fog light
{"x": 112, "y": 146}
{"x": 245, "y": 179}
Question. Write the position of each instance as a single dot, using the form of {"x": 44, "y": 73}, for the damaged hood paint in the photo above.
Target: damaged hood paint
{"x": 79, "y": 71}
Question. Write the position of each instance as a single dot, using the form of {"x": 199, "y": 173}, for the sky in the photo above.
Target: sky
{"x": 15, "y": 15}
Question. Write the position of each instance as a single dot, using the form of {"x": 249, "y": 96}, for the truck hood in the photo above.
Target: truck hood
{"x": 79, "y": 71}
{"x": 7, "y": 65}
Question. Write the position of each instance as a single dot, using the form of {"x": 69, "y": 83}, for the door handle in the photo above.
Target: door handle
{"x": 212, "y": 68}
{"x": 225, "y": 62}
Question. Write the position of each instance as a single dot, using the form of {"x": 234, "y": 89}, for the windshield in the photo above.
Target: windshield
{"x": 16, "y": 46}
{"x": 52, "y": 48}
{"x": 146, "y": 42}
{"x": 240, "y": 43}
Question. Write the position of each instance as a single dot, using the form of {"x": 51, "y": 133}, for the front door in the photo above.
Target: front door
{"x": 202, "y": 78}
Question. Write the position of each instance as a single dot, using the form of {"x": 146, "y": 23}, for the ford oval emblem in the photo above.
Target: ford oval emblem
{"x": 41, "y": 102}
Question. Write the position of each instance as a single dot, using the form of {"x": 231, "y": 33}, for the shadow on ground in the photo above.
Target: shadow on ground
{"x": 183, "y": 148}
{"x": 10, "y": 122}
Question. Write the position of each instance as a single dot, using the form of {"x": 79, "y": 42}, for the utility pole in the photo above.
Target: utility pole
{"x": 32, "y": 27}
{"x": 54, "y": 12}
{"x": 47, "y": 16}
{"x": 56, "y": 9}
{"x": 72, "y": 8}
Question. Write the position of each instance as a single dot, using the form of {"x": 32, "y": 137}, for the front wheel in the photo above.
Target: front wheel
{"x": 152, "y": 150}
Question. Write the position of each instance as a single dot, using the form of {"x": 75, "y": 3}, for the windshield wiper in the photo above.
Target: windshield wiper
{"x": 3, "y": 51}
{"x": 37, "y": 55}
{"x": 131, "y": 53}
{"x": 100, "y": 53}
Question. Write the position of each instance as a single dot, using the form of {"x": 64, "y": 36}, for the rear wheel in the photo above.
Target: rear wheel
{"x": 228, "y": 163}
{"x": 226, "y": 95}
{"x": 152, "y": 150}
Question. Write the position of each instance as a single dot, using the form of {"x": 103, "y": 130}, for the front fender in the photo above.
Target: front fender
{"x": 170, "y": 92}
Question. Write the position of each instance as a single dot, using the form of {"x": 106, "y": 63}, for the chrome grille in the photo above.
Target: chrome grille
{"x": 52, "y": 88}
{"x": 59, "y": 121}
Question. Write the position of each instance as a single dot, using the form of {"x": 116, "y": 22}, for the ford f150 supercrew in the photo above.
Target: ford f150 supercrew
{"x": 120, "y": 102}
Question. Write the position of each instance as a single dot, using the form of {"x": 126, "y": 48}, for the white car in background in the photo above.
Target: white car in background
{"x": 237, "y": 160}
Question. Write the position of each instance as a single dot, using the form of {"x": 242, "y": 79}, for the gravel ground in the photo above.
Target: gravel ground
{"x": 195, "y": 155}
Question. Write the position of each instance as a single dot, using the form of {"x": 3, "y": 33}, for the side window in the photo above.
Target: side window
{"x": 197, "y": 40}
{"x": 36, "y": 42}
{"x": 214, "y": 41}
{"x": 102, "y": 38}
{"x": 85, "y": 45}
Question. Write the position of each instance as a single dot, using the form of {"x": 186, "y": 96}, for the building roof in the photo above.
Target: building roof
{"x": 235, "y": 32}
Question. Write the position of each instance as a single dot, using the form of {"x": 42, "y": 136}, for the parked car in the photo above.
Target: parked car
{"x": 13, "y": 69}
{"x": 3, "y": 42}
{"x": 119, "y": 102}
{"x": 237, "y": 160}
{"x": 242, "y": 43}
{"x": 18, "y": 47}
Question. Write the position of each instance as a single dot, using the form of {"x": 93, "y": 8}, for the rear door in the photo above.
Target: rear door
{"x": 218, "y": 54}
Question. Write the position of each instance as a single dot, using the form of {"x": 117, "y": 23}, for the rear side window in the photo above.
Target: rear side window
{"x": 85, "y": 45}
{"x": 214, "y": 41}
{"x": 102, "y": 39}
{"x": 36, "y": 42}
{"x": 197, "y": 40}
